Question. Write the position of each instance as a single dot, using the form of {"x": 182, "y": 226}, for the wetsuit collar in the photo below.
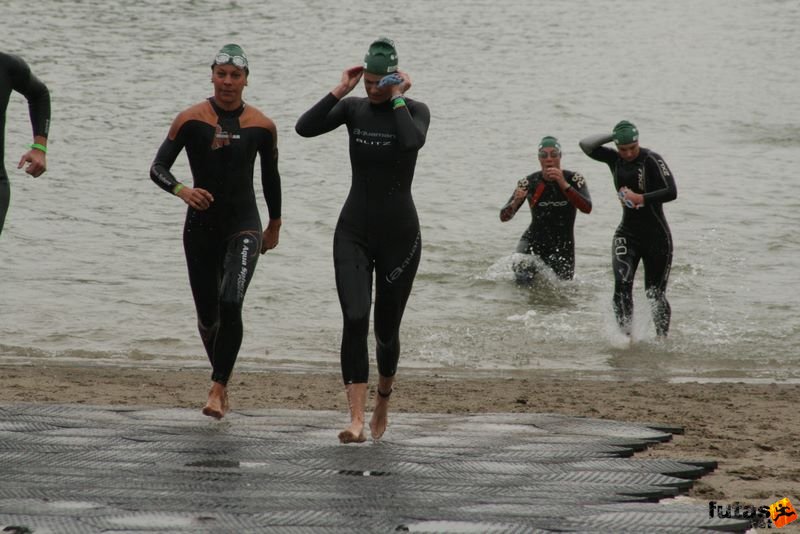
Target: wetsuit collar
{"x": 233, "y": 112}
{"x": 385, "y": 104}
{"x": 642, "y": 154}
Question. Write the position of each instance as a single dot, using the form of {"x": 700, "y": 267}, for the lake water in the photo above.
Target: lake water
{"x": 92, "y": 262}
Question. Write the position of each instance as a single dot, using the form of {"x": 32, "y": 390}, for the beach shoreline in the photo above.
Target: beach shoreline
{"x": 749, "y": 429}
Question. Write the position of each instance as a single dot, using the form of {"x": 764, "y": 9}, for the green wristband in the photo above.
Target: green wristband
{"x": 398, "y": 102}
{"x": 177, "y": 189}
{"x": 39, "y": 146}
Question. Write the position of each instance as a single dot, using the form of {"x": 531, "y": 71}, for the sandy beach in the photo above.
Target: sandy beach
{"x": 751, "y": 430}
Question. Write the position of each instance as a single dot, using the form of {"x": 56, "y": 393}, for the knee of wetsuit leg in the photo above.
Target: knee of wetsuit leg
{"x": 206, "y": 329}
{"x": 355, "y": 316}
{"x": 356, "y": 329}
{"x": 230, "y": 311}
{"x": 623, "y": 287}
{"x": 233, "y": 290}
{"x": 387, "y": 344}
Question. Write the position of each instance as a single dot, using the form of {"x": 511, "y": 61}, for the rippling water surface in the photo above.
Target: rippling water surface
{"x": 92, "y": 262}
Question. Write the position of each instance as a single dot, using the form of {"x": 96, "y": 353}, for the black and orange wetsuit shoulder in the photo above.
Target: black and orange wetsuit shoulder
{"x": 221, "y": 147}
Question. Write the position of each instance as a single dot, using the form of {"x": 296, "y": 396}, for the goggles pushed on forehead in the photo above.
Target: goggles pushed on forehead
{"x": 226, "y": 59}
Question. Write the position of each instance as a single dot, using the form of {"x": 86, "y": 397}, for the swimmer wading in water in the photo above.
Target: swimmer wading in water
{"x": 643, "y": 183}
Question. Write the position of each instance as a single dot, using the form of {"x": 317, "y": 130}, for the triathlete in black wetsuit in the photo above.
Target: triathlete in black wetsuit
{"x": 643, "y": 182}
{"x": 15, "y": 75}
{"x": 554, "y": 195}
{"x": 378, "y": 229}
{"x": 222, "y": 235}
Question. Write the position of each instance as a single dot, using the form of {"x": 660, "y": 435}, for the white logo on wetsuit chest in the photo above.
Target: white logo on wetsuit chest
{"x": 373, "y": 138}
{"x": 222, "y": 138}
{"x": 555, "y": 203}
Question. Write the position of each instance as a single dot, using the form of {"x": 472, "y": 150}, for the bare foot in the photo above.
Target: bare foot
{"x": 226, "y": 404}
{"x": 356, "y": 400}
{"x": 349, "y": 435}
{"x": 217, "y": 405}
{"x": 380, "y": 415}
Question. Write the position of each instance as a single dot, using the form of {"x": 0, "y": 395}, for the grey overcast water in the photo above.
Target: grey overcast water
{"x": 91, "y": 256}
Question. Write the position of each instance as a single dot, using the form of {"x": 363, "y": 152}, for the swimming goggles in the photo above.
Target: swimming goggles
{"x": 544, "y": 154}
{"x": 628, "y": 202}
{"x": 226, "y": 59}
{"x": 391, "y": 79}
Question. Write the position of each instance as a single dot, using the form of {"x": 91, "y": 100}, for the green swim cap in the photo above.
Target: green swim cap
{"x": 232, "y": 54}
{"x": 381, "y": 57}
{"x": 625, "y": 133}
{"x": 548, "y": 141}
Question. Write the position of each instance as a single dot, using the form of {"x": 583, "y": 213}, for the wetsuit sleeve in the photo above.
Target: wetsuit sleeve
{"x": 593, "y": 147}
{"x": 412, "y": 125}
{"x": 325, "y": 116}
{"x": 508, "y": 211}
{"x": 165, "y": 158}
{"x": 35, "y": 92}
{"x": 270, "y": 177}
{"x": 660, "y": 178}
{"x": 578, "y": 193}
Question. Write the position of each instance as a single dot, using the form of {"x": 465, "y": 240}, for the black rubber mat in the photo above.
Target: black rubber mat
{"x": 92, "y": 469}
{"x": 663, "y": 466}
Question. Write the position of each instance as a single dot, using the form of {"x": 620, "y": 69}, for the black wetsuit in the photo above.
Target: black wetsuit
{"x": 222, "y": 243}
{"x": 15, "y": 75}
{"x": 643, "y": 234}
{"x": 378, "y": 229}
{"x": 550, "y": 235}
